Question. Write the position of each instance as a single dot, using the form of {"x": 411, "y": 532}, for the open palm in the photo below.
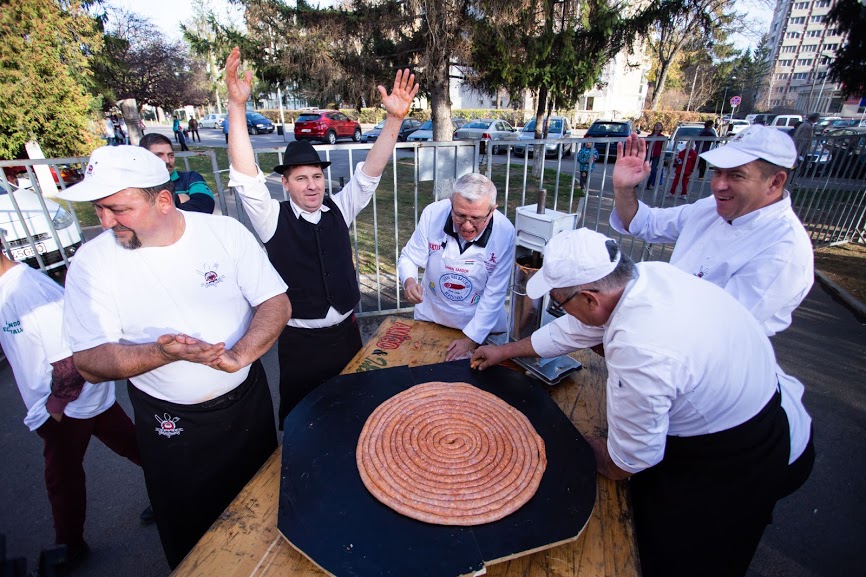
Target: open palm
{"x": 239, "y": 88}
{"x": 631, "y": 166}
{"x": 399, "y": 102}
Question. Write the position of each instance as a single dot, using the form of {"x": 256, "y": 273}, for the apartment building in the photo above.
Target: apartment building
{"x": 803, "y": 47}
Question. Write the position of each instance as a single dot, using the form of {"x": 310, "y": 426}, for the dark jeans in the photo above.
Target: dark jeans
{"x": 65, "y": 443}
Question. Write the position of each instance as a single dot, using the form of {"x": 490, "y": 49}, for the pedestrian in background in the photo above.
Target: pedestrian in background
{"x": 193, "y": 129}
{"x": 685, "y": 165}
{"x": 656, "y": 150}
{"x": 585, "y": 158}
{"x": 703, "y": 146}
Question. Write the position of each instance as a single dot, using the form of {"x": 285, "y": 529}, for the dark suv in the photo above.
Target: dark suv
{"x": 608, "y": 129}
{"x": 326, "y": 126}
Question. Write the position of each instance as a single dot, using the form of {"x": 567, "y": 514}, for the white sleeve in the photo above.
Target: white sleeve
{"x": 356, "y": 195}
{"x": 493, "y": 300}
{"x": 258, "y": 280}
{"x": 90, "y": 317}
{"x": 416, "y": 251}
{"x": 565, "y": 335}
{"x": 49, "y": 320}
{"x": 640, "y": 392}
{"x": 653, "y": 224}
{"x": 258, "y": 204}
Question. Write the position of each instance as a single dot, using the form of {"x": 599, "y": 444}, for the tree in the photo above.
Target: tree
{"x": 693, "y": 25}
{"x": 138, "y": 64}
{"x": 849, "y": 66}
{"x": 44, "y": 77}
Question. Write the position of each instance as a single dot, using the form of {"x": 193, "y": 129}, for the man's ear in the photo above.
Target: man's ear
{"x": 777, "y": 185}
{"x": 165, "y": 200}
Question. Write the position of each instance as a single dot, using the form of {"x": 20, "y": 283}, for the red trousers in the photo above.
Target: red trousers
{"x": 686, "y": 178}
{"x": 65, "y": 444}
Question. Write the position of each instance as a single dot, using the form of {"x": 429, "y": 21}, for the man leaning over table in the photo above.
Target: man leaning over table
{"x": 693, "y": 401}
{"x": 307, "y": 237}
{"x": 182, "y": 304}
{"x": 466, "y": 247}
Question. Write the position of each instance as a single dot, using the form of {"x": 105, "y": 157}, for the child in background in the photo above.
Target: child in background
{"x": 685, "y": 165}
{"x": 585, "y": 158}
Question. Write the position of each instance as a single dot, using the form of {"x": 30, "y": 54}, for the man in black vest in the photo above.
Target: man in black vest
{"x": 307, "y": 237}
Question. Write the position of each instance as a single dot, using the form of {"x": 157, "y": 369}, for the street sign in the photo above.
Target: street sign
{"x": 735, "y": 101}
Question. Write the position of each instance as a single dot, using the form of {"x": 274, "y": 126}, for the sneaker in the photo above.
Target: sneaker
{"x": 147, "y": 517}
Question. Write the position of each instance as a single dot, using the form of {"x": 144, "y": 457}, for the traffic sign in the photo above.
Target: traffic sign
{"x": 735, "y": 101}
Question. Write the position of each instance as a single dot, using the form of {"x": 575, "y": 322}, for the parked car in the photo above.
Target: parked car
{"x": 487, "y": 128}
{"x": 557, "y": 127}
{"x": 677, "y": 142}
{"x": 15, "y": 241}
{"x": 70, "y": 173}
{"x": 212, "y": 121}
{"x": 326, "y": 126}
{"x": 824, "y": 123}
{"x": 735, "y": 126}
{"x": 847, "y": 148}
{"x": 409, "y": 126}
{"x": 845, "y": 122}
{"x": 619, "y": 129}
{"x": 257, "y": 124}
{"x": 786, "y": 122}
{"x": 425, "y": 133}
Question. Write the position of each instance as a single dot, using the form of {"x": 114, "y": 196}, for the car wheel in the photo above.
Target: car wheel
{"x": 357, "y": 135}
{"x": 331, "y": 137}
{"x": 569, "y": 150}
{"x": 251, "y": 130}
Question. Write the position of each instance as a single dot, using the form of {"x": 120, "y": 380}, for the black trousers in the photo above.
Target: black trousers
{"x": 702, "y": 510}
{"x": 197, "y": 458}
{"x": 309, "y": 357}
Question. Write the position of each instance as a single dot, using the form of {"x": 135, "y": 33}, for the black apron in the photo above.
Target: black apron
{"x": 197, "y": 458}
{"x": 703, "y": 508}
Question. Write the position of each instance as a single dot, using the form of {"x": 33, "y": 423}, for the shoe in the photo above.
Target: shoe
{"x": 147, "y": 517}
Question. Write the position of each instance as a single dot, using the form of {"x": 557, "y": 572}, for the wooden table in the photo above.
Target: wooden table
{"x": 245, "y": 541}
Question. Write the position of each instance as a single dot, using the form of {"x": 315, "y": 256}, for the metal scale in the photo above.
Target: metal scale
{"x": 535, "y": 225}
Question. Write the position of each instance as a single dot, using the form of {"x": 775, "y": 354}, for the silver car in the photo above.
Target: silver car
{"x": 488, "y": 128}
{"x": 212, "y": 121}
{"x": 558, "y": 127}
{"x": 425, "y": 133}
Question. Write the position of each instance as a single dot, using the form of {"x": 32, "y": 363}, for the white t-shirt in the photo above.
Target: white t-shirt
{"x": 670, "y": 372}
{"x": 764, "y": 258}
{"x": 464, "y": 291}
{"x": 31, "y": 311}
{"x": 204, "y": 285}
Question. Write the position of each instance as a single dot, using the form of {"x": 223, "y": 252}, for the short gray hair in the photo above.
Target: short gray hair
{"x": 624, "y": 273}
{"x": 474, "y": 187}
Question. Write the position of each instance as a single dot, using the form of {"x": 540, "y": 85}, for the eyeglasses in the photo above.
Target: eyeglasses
{"x": 474, "y": 220}
{"x": 559, "y": 307}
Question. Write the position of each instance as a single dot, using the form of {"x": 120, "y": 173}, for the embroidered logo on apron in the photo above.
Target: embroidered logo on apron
{"x": 167, "y": 425}
{"x": 455, "y": 287}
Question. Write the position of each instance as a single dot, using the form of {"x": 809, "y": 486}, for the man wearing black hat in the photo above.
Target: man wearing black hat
{"x": 307, "y": 236}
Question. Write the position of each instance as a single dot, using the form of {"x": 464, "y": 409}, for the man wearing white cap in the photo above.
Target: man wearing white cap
{"x": 745, "y": 238}
{"x": 704, "y": 439}
{"x": 183, "y": 305}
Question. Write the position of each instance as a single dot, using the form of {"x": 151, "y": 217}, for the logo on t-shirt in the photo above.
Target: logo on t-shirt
{"x": 13, "y": 327}
{"x": 702, "y": 272}
{"x": 167, "y": 425}
{"x": 210, "y": 275}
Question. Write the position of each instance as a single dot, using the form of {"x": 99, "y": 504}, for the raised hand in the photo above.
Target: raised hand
{"x": 631, "y": 166}
{"x": 399, "y": 102}
{"x": 239, "y": 89}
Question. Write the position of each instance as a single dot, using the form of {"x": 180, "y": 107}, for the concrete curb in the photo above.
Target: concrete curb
{"x": 843, "y": 296}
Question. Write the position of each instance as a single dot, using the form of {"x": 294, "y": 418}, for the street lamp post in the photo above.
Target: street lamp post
{"x": 810, "y": 107}
{"x": 823, "y": 83}
{"x": 727, "y": 85}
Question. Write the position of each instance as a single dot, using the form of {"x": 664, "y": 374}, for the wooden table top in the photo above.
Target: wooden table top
{"x": 245, "y": 541}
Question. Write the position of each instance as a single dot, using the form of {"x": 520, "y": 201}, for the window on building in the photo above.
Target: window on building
{"x": 832, "y": 32}
{"x": 590, "y": 102}
{"x": 800, "y": 76}
{"x": 822, "y": 4}
{"x": 817, "y": 19}
{"x": 809, "y": 48}
{"x": 801, "y": 6}
{"x": 789, "y": 48}
{"x": 798, "y": 20}
{"x": 804, "y": 62}
{"x": 782, "y": 76}
{"x": 785, "y": 62}
{"x": 831, "y": 47}
{"x": 813, "y": 34}
{"x": 792, "y": 34}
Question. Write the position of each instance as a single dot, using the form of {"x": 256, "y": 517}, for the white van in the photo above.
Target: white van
{"x": 786, "y": 122}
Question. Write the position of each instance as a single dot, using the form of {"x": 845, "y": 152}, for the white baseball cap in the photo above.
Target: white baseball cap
{"x": 572, "y": 258}
{"x": 757, "y": 141}
{"x": 115, "y": 168}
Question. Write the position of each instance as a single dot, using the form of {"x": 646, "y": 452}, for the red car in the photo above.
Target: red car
{"x": 327, "y": 126}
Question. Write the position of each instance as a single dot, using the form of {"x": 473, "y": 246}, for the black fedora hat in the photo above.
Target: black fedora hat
{"x": 300, "y": 153}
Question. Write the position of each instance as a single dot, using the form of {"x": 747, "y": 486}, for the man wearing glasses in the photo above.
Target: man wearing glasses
{"x": 466, "y": 248}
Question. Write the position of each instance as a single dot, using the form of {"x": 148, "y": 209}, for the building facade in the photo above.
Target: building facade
{"x": 803, "y": 47}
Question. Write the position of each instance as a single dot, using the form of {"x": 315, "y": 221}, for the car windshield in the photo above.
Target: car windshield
{"x": 256, "y": 117}
{"x": 379, "y": 126}
{"x": 308, "y": 117}
{"x": 688, "y": 131}
{"x": 608, "y": 128}
{"x": 479, "y": 124}
{"x": 555, "y": 126}
{"x": 427, "y": 125}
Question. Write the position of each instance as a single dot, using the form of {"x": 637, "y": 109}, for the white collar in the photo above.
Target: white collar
{"x": 306, "y": 213}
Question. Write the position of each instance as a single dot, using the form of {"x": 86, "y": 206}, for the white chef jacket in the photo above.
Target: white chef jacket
{"x": 684, "y": 359}
{"x": 462, "y": 289}
{"x": 764, "y": 258}
{"x": 264, "y": 213}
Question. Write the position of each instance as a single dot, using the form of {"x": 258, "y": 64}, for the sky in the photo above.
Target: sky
{"x": 168, "y": 14}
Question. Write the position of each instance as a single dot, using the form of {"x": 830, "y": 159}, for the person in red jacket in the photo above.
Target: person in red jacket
{"x": 684, "y": 166}
{"x": 656, "y": 152}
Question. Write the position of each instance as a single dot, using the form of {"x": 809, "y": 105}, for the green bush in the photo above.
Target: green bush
{"x": 670, "y": 119}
